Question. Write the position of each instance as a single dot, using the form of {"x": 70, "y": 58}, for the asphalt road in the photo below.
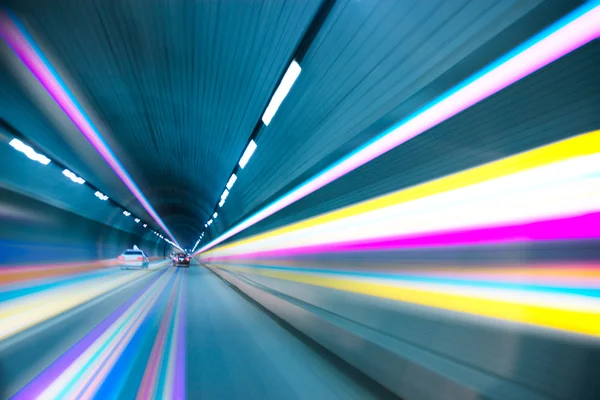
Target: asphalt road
{"x": 173, "y": 333}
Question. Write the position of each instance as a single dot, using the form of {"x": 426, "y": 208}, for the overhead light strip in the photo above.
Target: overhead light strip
{"x": 34, "y": 155}
{"x": 282, "y": 91}
{"x": 247, "y": 154}
{"x": 101, "y": 196}
{"x": 73, "y": 177}
{"x": 29, "y": 152}
{"x": 18, "y": 39}
{"x": 284, "y": 85}
{"x": 231, "y": 181}
{"x": 570, "y": 33}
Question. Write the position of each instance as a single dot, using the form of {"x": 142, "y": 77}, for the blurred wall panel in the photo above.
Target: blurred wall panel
{"x": 480, "y": 284}
{"x": 33, "y": 232}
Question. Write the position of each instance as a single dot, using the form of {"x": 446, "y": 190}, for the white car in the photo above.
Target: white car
{"x": 133, "y": 258}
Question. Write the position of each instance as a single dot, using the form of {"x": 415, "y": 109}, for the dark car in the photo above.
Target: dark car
{"x": 182, "y": 259}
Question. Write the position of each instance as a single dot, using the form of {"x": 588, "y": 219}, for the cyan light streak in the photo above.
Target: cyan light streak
{"x": 570, "y": 33}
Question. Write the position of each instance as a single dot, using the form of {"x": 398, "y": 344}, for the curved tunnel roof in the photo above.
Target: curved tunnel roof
{"x": 177, "y": 89}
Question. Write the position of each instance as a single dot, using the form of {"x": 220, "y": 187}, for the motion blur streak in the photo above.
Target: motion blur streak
{"x": 11, "y": 275}
{"x": 572, "y": 308}
{"x": 556, "y": 198}
{"x": 565, "y": 36}
{"x": 549, "y": 193}
{"x": 23, "y": 306}
{"x": 14, "y": 34}
{"x": 83, "y": 370}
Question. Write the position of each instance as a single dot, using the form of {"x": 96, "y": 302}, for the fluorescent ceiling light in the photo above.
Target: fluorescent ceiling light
{"x": 221, "y": 202}
{"x": 284, "y": 88}
{"x": 29, "y": 152}
{"x": 210, "y": 221}
{"x": 231, "y": 181}
{"x": 549, "y": 192}
{"x": 126, "y": 213}
{"x": 20, "y": 41}
{"x": 101, "y": 196}
{"x": 215, "y": 215}
{"x": 247, "y": 154}
{"x": 73, "y": 177}
{"x": 145, "y": 225}
{"x": 137, "y": 220}
{"x": 205, "y": 225}
{"x": 571, "y": 32}
{"x": 225, "y": 194}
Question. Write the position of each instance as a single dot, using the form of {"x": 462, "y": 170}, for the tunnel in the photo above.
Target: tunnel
{"x": 302, "y": 199}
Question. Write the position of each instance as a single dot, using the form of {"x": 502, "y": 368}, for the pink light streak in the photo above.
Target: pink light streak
{"x": 12, "y": 35}
{"x": 554, "y": 46}
{"x": 580, "y": 227}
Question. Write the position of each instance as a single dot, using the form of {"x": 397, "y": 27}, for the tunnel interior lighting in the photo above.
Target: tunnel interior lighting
{"x": 29, "y": 152}
{"x": 566, "y": 35}
{"x": 22, "y": 44}
{"x": 137, "y": 220}
{"x": 282, "y": 91}
{"x": 145, "y": 225}
{"x": 215, "y": 215}
{"x": 231, "y": 181}
{"x": 73, "y": 177}
{"x": 225, "y": 194}
{"x": 534, "y": 201}
{"x": 247, "y": 153}
{"x": 101, "y": 196}
{"x": 221, "y": 202}
{"x": 196, "y": 245}
{"x": 210, "y": 221}
{"x": 126, "y": 213}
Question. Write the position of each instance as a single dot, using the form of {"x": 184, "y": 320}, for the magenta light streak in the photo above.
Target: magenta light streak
{"x": 573, "y": 228}
{"x": 149, "y": 378}
{"x": 554, "y": 46}
{"x": 179, "y": 390}
{"x": 12, "y": 35}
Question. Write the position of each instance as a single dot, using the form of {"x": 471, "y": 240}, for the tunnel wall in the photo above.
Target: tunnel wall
{"x": 46, "y": 218}
{"x": 391, "y": 307}
{"x": 421, "y": 352}
{"x": 33, "y": 232}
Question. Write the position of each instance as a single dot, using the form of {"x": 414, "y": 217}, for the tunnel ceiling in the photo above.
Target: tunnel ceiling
{"x": 177, "y": 87}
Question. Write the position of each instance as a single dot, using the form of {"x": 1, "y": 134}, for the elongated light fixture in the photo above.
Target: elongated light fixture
{"x": 101, "y": 196}
{"x": 231, "y": 181}
{"x": 282, "y": 91}
{"x": 247, "y": 154}
{"x": 29, "y": 152}
{"x": 73, "y": 177}
{"x": 568, "y": 34}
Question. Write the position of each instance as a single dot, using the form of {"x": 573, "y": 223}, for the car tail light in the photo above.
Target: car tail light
{"x": 121, "y": 257}
{"x": 140, "y": 258}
